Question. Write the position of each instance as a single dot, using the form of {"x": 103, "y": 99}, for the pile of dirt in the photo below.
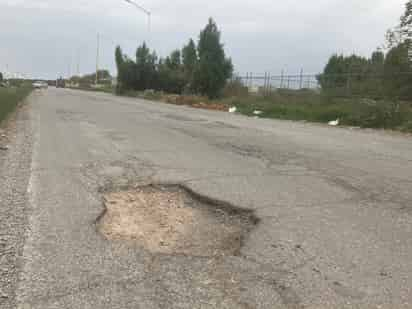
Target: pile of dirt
{"x": 194, "y": 101}
{"x": 170, "y": 220}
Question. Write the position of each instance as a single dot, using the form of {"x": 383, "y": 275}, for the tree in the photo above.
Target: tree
{"x": 145, "y": 68}
{"x": 213, "y": 69}
{"x": 189, "y": 55}
{"x": 406, "y": 21}
{"x": 377, "y": 58}
{"x": 205, "y": 70}
{"x": 398, "y": 80}
{"x": 174, "y": 60}
{"x": 393, "y": 37}
{"x": 1, "y": 77}
{"x": 120, "y": 64}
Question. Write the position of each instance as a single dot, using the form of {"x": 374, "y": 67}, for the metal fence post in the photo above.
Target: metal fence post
{"x": 251, "y": 80}
{"x": 281, "y": 80}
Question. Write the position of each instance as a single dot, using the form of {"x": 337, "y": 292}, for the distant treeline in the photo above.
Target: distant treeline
{"x": 197, "y": 69}
{"x": 103, "y": 77}
{"x": 384, "y": 74}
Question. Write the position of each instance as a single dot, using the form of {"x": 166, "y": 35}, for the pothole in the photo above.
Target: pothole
{"x": 174, "y": 220}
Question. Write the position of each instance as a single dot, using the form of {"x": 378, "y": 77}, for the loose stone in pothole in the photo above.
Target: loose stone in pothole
{"x": 171, "y": 220}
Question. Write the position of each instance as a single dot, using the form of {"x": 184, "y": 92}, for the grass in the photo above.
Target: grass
{"x": 105, "y": 89}
{"x": 314, "y": 107}
{"x": 10, "y": 98}
{"x": 307, "y": 105}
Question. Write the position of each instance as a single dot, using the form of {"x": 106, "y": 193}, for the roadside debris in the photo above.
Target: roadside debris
{"x": 192, "y": 101}
{"x": 232, "y": 109}
{"x": 257, "y": 112}
{"x": 334, "y": 123}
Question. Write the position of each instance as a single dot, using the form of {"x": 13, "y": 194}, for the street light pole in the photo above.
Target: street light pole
{"x": 97, "y": 58}
{"x": 147, "y": 12}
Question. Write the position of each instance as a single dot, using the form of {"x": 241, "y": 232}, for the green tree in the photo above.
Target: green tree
{"x": 189, "y": 55}
{"x": 213, "y": 69}
{"x": 145, "y": 68}
{"x": 120, "y": 64}
{"x": 342, "y": 73}
{"x": 397, "y": 76}
{"x": 377, "y": 58}
{"x": 174, "y": 60}
{"x": 406, "y": 21}
{"x": 1, "y": 77}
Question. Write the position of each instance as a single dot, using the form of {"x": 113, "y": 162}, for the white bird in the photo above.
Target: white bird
{"x": 334, "y": 123}
{"x": 232, "y": 109}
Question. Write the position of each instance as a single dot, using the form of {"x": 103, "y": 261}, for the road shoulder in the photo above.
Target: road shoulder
{"x": 15, "y": 163}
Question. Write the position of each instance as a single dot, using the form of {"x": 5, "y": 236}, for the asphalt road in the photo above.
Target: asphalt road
{"x": 335, "y": 206}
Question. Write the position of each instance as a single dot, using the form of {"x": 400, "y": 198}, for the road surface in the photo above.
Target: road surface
{"x": 335, "y": 207}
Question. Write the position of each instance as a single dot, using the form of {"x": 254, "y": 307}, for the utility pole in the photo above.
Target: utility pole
{"x": 78, "y": 62}
{"x": 69, "y": 69}
{"x": 147, "y": 12}
{"x": 97, "y": 58}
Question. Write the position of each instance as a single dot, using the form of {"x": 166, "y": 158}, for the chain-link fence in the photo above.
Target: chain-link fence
{"x": 371, "y": 85}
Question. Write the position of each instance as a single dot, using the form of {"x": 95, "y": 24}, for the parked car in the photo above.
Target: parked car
{"x": 40, "y": 85}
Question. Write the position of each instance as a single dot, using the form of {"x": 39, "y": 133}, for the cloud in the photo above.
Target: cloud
{"x": 260, "y": 35}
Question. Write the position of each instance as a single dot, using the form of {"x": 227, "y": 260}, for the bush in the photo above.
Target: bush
{"x": 310, "y": 106}
{"x": 10, "y": 97}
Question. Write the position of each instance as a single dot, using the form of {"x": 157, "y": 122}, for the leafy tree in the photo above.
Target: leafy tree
{"x": 378, "y": 58}
{"x": 189, "y": 55}
{"x": 398, "y": 79}
{"x": 121, "y": 70}
{"x": 213, "y": 69}
{"x": 393, "y": 37}
{"x": 406, "y": 21}
{"x": 353, "y": 75}
{"x": 170, "y": 73}
{"x": 174, "y": 60}
{"x": 341, "y": 72}
{"x": 145, "y": 68}
{"x": 170, "y": 80}
{"x": 181, "y": 70}
{"x": 1, "y": 77}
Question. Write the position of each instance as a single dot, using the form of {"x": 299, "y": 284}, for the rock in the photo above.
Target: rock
{"x": 4, "y": 147}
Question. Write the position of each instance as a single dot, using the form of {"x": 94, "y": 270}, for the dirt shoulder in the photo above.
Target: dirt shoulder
{"x": 15, "y": 160}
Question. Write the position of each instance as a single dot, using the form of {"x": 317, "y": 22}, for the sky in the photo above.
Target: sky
{"x": 51, "y": 38}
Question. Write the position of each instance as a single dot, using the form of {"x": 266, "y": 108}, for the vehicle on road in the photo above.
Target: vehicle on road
{"x": 40, "y": 85}
{"x": 60, "y": 83}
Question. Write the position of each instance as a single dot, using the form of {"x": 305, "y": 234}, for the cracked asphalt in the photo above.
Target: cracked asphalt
{"x": 334, "y": 206}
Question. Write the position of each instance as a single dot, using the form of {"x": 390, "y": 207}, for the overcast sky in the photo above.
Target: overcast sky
{"x": 44, "y": 38}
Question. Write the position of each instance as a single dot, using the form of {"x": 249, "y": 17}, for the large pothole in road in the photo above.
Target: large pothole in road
{"x": 174, "y": 220}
